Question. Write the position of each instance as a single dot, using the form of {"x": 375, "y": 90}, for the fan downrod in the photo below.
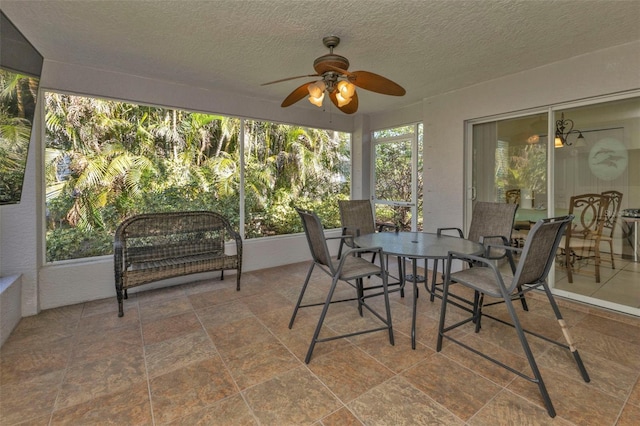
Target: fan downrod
{"x": 330, "y": 59}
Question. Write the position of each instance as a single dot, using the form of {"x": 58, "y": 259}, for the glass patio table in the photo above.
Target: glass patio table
{"x": 415, "y": 246}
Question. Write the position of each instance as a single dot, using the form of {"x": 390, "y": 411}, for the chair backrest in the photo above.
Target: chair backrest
{"x": 314, "y": 231}
{"x": 492, "y": 219}
{"x": 356, "y": 217}
{"x": 611, "y": 213}
{"x": 589, "y": 212}
{"x": 539, "y": 251}
{"x": 512, "y": 196}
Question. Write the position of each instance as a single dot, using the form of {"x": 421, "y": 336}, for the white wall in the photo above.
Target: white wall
{"x": 600, "y": 73}
{"x": 609, "y": 71}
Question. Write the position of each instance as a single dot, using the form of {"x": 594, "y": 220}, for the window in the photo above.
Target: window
{"x": 107, "y": 160}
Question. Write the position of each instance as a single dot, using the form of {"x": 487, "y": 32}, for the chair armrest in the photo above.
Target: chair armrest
{"x": 359, "y": 250}
{"x": 508, "y": 252}
{"x": 382, "y": 225}
{"x": 460, "y": 234}
{"x": 470, "y": 258}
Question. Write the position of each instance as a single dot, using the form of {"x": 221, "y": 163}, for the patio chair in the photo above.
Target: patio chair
{"x": 610, "y": 220}
{"x": 350, "y": 269}
{"x": 582, "y": 238}
{"x": 491, "y": 224}
{"x": 356, "y": 217}
{"x": 531, "y": 273}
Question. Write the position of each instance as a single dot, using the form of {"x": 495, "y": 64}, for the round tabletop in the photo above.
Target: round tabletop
{"x": 420, "y": 245}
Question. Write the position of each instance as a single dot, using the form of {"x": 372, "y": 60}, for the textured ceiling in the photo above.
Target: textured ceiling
{"x": 428, "y": 47}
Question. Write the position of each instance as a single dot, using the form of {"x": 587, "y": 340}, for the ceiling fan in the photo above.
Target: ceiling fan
{"x": 338, "y": 82}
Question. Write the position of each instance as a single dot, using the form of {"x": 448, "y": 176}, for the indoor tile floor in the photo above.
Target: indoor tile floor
{"x": 205, "y": 354}
{"x": 620, "y": 285}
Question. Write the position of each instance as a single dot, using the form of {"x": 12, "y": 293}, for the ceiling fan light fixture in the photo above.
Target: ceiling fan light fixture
{"x": 346, "y": 89}
{"x": 316, "y": 90}
{"x": 317, "y": 100}
{"x": 342, "y": 101}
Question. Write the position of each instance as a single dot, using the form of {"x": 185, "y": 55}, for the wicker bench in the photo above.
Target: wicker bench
{"x": 155, "y": 246}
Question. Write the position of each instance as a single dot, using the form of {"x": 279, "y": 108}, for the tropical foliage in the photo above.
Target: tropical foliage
{"x": 107, "y": 160}
{"x": 17, "y": 105}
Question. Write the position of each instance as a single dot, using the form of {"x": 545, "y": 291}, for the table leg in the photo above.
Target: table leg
{"x": 414, "y": 267}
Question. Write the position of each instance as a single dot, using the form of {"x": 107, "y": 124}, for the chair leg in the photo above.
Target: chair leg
{"x": 387, "y": 305}
{"x": 478, "y": 300}
{"x": 401, "y": 273}
{"x": 304, "y": 288}
{"x": 434, "y": 275}
{"x": 523, "y": 300}
{"x": 597, "y": 262}
{"x": 613, "y": 265}
{"x": 532, "y": 362}
{"x": 443, "y": 307}
{"x": 325, "y": 308}
{"x": 568, "y": 264}
{"x": 566, "y": 334}
{"x": 360, "y": 294}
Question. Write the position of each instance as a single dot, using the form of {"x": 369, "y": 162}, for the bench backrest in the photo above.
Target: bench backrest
{"x": 155, "y": 236}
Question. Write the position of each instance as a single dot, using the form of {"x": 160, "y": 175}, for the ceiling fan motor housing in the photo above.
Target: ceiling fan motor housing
{"x": 337, "y": 61}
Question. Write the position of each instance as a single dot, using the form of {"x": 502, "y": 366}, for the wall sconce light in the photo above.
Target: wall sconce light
{"x": 564, "y": 127}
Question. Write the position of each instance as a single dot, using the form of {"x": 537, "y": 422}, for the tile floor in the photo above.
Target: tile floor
{"x": 620, "y": 285}
{"x": 204, "y": 354}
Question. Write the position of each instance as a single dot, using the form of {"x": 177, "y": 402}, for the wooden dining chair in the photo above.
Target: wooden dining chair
{"x": 610, "y": 220}
{"x": 531, "y": 273}
{"x": 349, "y": 269}
{"x": 512, "y": 196}
{"x": 581, "y": 241}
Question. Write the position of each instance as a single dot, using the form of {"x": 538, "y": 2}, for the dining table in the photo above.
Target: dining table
{"x": 418, "y": 246}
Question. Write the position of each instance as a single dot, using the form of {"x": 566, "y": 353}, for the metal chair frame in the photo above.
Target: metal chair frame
{"x": 531, "y": 272}
{"x": 357, "y": 218}
{"x": 350, "y": 268}
{"x": 487, "y": 234}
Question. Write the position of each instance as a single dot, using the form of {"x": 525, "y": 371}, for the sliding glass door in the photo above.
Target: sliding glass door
{"x": 593, "y": 148}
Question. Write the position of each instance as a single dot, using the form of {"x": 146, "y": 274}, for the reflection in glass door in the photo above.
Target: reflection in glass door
{"x": 600, "y": 155}
{"x": 397, "y": 176}
{"x": 510, "y": 156}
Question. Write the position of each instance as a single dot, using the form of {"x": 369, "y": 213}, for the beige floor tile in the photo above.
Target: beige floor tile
{"x": 86, "y": 381}
{"x": 130, "y": 406}
{"x": 175, "y": 353}
{"x": 229, "y": 411}
{"x": 342, "y": 417}
{"x": 349, "y": 372}
{"x": 397, "y": 402}
{"x": 170, "y": 327}
{"x": 450, "y": 384}
{"x": 189, "y": 389}
{"x": 296, "y": 397}
{"x": 248, "y": 369}
{"x": 509, "y": 409}
{"x": 574, "y": 400}
{"x": 205, "y": 354}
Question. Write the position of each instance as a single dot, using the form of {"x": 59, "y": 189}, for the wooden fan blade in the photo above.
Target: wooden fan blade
{"x": 376, "y": 83}
{"x": 349, "y": 108}
{"x": 289, "y": 78}
{"x": 296, "y": 95}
